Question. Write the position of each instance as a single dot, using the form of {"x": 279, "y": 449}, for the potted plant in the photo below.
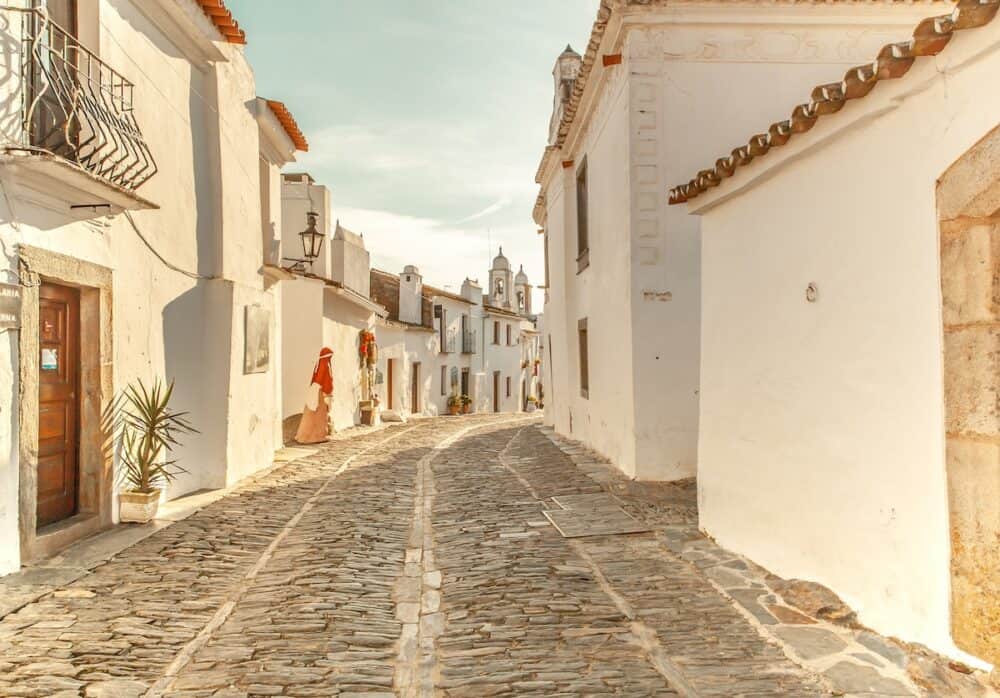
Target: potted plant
{"x": 466, "y": 404}
{"x": 147, "y": 429}
{"x": 454, "y": 404}
{"x": 532, "y": 403}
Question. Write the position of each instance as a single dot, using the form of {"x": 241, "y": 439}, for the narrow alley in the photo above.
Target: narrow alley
{"x": 418, "y": 560}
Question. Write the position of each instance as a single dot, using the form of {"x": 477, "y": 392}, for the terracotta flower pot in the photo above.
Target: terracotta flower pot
{"x": 454, "y": 409}
{"x": 466, "y": 409}
{"x": 138, "y": 507}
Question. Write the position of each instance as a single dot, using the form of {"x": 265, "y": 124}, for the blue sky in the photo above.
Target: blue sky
{"x": 425, "y": 118}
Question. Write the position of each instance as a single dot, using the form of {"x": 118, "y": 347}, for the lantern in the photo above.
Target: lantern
{"x": 312, "y": 239}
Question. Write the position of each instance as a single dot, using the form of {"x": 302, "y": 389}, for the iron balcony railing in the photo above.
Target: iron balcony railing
{"x": 76, "y": 106}
{"x": 448, "y": 343}
{"x": 468, "y": 341}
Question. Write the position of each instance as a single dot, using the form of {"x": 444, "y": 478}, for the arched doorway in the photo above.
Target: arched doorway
{"x": 968, "y": 198}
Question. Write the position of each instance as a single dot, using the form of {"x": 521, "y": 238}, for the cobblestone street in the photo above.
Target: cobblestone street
{"x": 417, "y": 560}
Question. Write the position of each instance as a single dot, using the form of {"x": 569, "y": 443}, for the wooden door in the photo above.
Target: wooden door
{"x": 389, "y": 381}
{"x": 415, "y": 390}
{"x": 496, "y": 391}
{"x": 58, "y": 402}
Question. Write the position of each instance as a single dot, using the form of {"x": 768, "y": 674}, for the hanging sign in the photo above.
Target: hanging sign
{"x": 10, "y": 306}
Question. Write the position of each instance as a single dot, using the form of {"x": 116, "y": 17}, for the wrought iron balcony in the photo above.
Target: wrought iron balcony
{"x": 448, "y": 343}
{"x": 76, "y": 106}
{"x": 469, "y": 342}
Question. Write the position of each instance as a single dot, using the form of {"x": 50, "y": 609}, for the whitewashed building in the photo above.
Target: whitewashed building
{"x": 639, "y": 110}
{"x": 850, "y": 404}
{"x": 137, "y": 233}
{"x": 326, "y": 305}
{"x": 434, "y": 344}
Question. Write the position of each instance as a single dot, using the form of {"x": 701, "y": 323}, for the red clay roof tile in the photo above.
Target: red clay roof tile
{"x": 223, "y": 20}
{"x": 288, "y": 123}
{"x": 894, "y": 60}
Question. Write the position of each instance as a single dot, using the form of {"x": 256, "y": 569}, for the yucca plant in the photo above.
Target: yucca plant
{"x": 148, "y": 429}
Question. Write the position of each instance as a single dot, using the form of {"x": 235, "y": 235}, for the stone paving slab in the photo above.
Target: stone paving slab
{"x": 418, "y": 560}
{"x": 579, "y": 523}
{"x": 850, "y": 659}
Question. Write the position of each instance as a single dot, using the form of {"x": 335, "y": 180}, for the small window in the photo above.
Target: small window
{"x": 508, "y": 334}
{"x": 496, "y": 331}
{"x": 582, "y": 232}
{"x": 584, "y": 358}
{"x": 508, "y": 386}
{"x": 444, "y": 380}
{"x": 548, "y": 283}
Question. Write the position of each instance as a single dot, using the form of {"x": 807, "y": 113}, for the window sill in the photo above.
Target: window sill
{"x": 583, "y": 261}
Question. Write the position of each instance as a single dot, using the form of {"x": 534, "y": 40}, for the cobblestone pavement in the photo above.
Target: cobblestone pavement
{"x": 411, "y": 561}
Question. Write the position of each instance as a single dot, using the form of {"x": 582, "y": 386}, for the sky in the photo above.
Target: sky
{"x": 425, "y": 118}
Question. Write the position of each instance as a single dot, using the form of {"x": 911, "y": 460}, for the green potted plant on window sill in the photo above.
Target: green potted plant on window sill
{"x": 454, "y": 404}
{"x": 146, "y": 430}
{"x": 466, "y": 404}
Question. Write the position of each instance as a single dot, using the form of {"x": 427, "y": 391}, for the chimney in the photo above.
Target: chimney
{"x": 411, "y": 286}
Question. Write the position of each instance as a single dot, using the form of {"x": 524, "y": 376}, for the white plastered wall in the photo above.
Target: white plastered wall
{"x": 690, "y": 84}
{"x": 166, "y": 324}
{"x": 822, "y": 424}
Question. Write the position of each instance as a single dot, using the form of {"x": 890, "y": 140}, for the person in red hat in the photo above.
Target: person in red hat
{"x": 314, "y": 427}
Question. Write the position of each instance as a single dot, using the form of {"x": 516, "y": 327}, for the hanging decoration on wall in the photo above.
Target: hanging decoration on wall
{"x": 367, "y": 349}
{"x": 368, "y": 355}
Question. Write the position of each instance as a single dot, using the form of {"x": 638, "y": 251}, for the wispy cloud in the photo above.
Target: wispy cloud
{"x": 492, "y": 208}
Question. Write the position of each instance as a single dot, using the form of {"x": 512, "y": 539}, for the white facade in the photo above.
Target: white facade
{"x": 206, "y": 211}
{"x": 323, "y": 310}
{"x": 822, "y": 452}
{"x": 639, "y": 123}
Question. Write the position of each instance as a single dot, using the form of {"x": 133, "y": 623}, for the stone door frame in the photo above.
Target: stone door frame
{"x": 968, "y": 202}
{"x": 96, "y": 465}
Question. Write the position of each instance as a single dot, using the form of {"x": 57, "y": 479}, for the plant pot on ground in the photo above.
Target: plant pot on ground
{"x": 466, "y": 404}
{"x": 454, "y": 404}
{"x": 145, "y": 430}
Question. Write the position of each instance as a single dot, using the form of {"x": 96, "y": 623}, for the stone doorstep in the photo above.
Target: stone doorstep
{"x": 851, "y": 659}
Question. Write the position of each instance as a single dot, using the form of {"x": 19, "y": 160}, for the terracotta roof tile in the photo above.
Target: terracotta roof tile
{"x": 894, "y": 60}
{"x": 289, "y": 124}
{"x": 223, "y": 20}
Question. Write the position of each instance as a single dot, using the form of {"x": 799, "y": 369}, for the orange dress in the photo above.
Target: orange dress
{"x": 314, "y": 427}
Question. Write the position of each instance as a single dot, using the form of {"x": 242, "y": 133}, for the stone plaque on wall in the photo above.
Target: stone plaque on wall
{"x": 257, "y": 340}
{"x": 10, "y": 306}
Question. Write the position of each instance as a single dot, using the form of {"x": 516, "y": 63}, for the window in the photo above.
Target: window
{"x": 582, "y": 233}
{"x": 545, "y": 240}
{"x": 496, "y": 331}
{"x": 520, "y": 300}
{"x": 584, "y": 358}
{"x": 508, "y": 334}
{"x": 508, "y": 386}
{"x": 444, "y": 380}
{"x": 498, "y": 293}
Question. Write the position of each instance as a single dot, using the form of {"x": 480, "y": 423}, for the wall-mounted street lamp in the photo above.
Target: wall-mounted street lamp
{"x": 312, "y": 239}
{"x": 312, "y": 243}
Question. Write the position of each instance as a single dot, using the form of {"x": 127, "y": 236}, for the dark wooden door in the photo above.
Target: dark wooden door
{"x": 58, "y": 402}
{"x": 415, "y": 390}
{"x": 496, "y": 391}
{"x": 389, "y": 389}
